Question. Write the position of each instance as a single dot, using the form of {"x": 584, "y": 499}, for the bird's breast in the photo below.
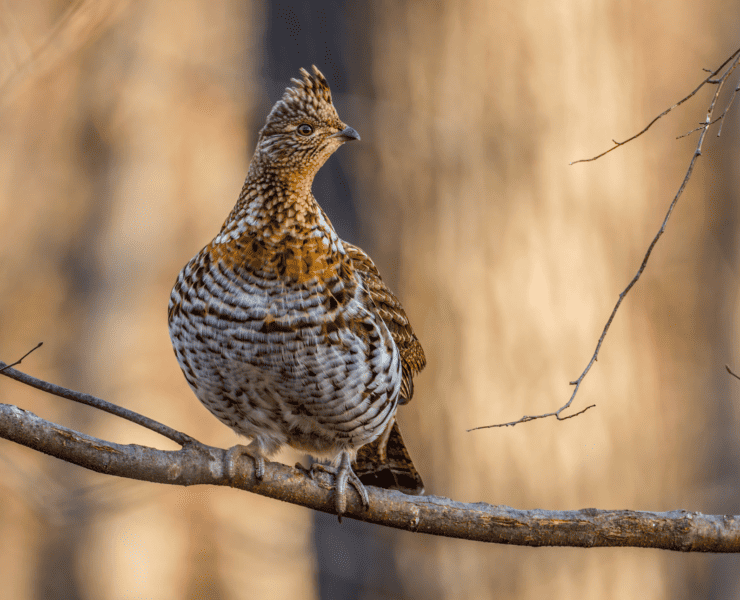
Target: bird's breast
{"x": 294, "y": 259}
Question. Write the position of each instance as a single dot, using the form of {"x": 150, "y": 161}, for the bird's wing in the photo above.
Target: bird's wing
{"x": 390, "y": 310}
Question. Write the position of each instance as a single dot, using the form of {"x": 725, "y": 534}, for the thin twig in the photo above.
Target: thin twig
{"x": 87, "y": 399}
{"x": 528, "y": 418}
{"x": 731, "y": 372}
{"x": 665, "y": 112}
{"x": 702, "y": 126}
{"x": 718, "y": 119}
{"x": 735, "y": 58}
{"x": 729, "y": 104}
{"x": 20, "y": 360}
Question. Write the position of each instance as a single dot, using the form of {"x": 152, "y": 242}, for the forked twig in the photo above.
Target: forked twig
{"x": 729, "y": 104}
{"x": 714, "y": 78}
{"x": 710, "y": 79}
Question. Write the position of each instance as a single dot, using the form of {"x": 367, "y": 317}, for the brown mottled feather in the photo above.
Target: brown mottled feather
{"x": 393, "y": 315}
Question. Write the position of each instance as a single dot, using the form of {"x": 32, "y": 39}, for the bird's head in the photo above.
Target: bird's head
{"x": 302, "y": 130}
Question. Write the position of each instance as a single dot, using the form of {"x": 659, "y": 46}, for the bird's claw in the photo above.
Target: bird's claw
{"x": 235, "y": 452}
{"x": 343, "y": 474}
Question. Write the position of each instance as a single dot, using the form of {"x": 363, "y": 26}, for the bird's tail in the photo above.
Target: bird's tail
{"x": 385, "y": 463}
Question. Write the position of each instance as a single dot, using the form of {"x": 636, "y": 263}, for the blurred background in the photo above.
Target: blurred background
{"x": 126, "y": 130}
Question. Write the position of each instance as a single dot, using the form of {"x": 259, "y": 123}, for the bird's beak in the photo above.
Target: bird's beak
{"x": 347, "y": 134}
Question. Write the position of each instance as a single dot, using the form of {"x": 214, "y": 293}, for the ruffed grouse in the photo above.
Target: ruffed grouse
{"x": 287, "y": 333}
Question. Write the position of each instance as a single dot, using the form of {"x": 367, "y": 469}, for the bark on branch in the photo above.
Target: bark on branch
{"x": 198, "y": 464}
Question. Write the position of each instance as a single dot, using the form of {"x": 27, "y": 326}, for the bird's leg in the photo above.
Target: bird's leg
{"x": 254, "y": 451}
{"x": 343, "y": 474}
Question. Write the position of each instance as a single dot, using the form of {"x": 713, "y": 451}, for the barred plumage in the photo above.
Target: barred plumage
{"x": 287, "y": 333}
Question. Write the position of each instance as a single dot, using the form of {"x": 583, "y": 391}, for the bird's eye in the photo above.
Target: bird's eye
{"x": 305, "y": 129}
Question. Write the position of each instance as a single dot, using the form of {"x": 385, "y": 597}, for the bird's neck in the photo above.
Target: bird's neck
{"x": 277, "y": 229}
{"x": 274, "y": 206}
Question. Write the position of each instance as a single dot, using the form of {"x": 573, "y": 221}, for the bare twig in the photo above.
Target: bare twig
{"x": 695, "y": 129}
{"x": 731, "y": 372}
{"x": 129, "y": 415}
{"x": 728, "y": 66}
{"x": 709, "y": 79}
{"x": 527, "y": 418}
{"x": 20, "y": 360}
{"x": 729, "y": 104}
{"x": 197, "y": 464}
{"x": 718, "y": 119}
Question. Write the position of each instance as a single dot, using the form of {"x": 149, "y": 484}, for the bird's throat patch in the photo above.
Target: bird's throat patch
{"x": 295, "y": 259}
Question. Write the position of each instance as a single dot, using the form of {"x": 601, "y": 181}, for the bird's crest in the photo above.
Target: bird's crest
{"x": 314, "y": 85}
{"x": 310, "y": 98}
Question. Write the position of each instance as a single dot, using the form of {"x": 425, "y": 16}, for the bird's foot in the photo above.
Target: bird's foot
{"x": 343, "y": 474}
{"x": 236, "y": 452}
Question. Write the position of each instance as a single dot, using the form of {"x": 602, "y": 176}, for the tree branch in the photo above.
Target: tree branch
{"x": 88, "y": 400}
{"x": 198, "y": 464}
{"x": 713, "y": 79}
